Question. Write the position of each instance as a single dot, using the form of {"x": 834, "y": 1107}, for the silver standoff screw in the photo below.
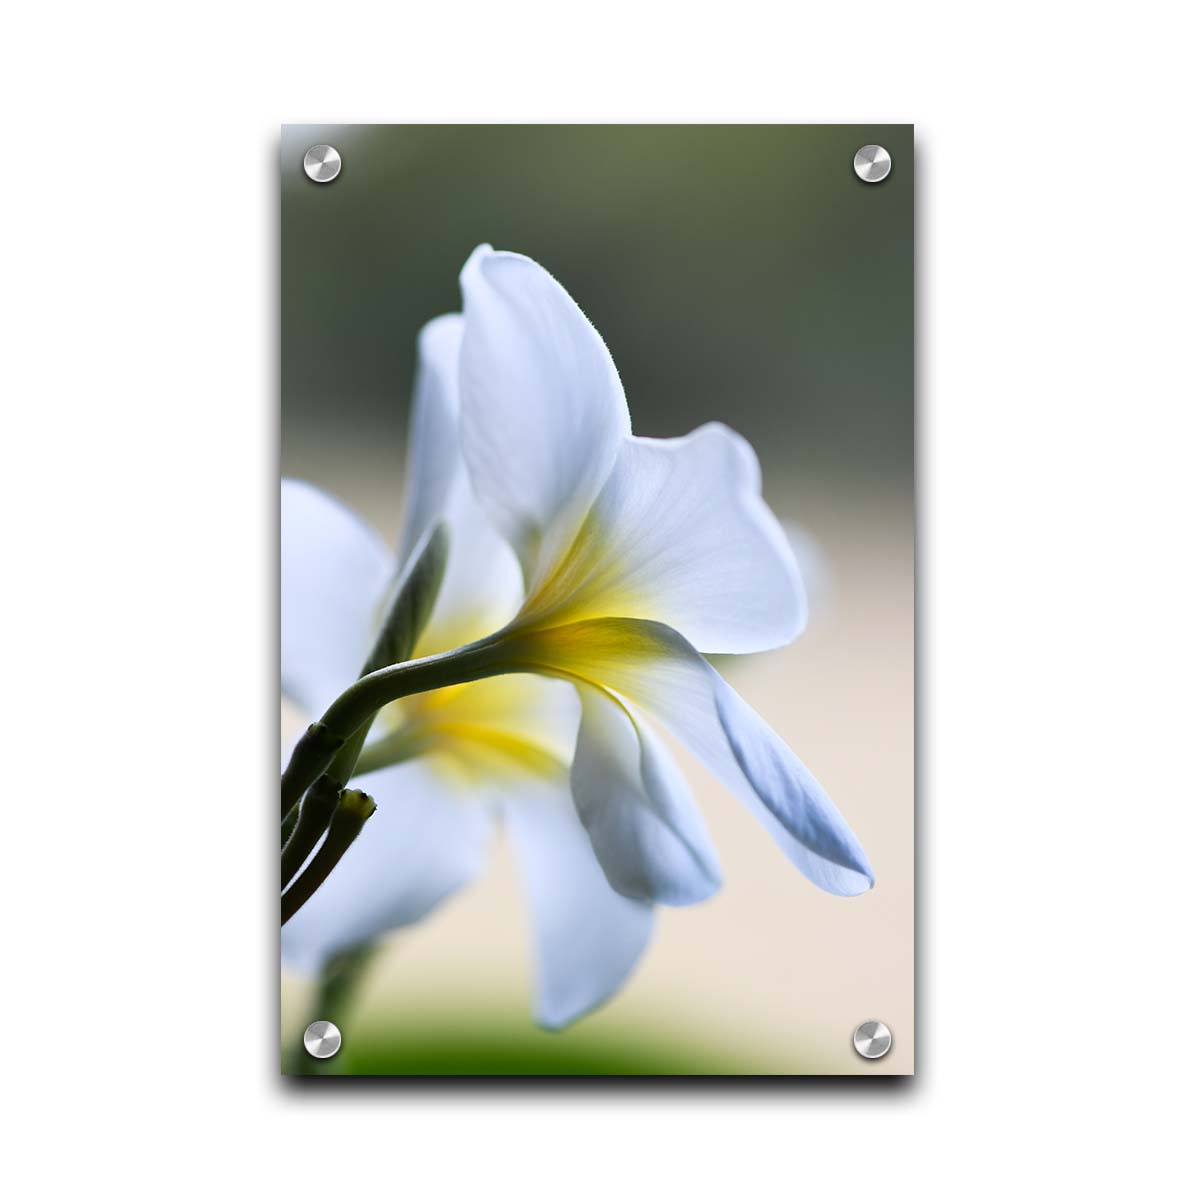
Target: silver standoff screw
{"x": 872, "y": 164}
{"x": 322, "y": 164}
{"x": 872, "y": 1039}
{"x": 322, "y": 1039}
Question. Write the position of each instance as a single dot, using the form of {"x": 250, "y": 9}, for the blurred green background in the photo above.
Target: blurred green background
{"x": 740, "y": 273}
{"x": 736, "y": 273}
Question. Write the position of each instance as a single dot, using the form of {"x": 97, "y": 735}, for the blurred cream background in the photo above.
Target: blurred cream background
{"x": 772, "y": 972}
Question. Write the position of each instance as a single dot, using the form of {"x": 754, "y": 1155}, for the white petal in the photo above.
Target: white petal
{"x": 434, "y": 463}
{"x": 482, "y": 585}
{"x": 637, "y": 808}
{"x": 482, "y": 588}
{"x": 424, "y": 842}
{"x": 587, "y": 939}
{"x": 543, "y": 413}
{"x": 680, "y": 534}
{"x": 334, "y": 572}
{"x": 654, "y": 666}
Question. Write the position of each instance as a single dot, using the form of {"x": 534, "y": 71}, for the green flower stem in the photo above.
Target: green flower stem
{"x": 353, "y": 810}
{"x": 287, "y": 825}
{"x": 398, "y": 746}
{"x": 346, "y": 759}
{"x": 407, "y": 617}
{"x": 316, "y": 811}
{"x": 313, "y": 753}
{"x": 357, "y": 705}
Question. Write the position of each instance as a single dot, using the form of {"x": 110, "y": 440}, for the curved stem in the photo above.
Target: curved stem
{"x": 311, "y": 755}
{"x": 287, "y": 825}
{"x": 359, "y": 703}
{"x": 341, "y": 769}
{"x": 398, "y": 746}
{"x": 416, "y": 594}
{"x": 315, "y": 814}
{"x": 353, "y": 810}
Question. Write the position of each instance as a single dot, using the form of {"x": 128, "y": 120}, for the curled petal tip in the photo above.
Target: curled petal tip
{"x": 867, "y": 880}
{"x": 474, "y": 265}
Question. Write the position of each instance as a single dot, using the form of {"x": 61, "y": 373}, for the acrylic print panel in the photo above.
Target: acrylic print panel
{"x": 596, "y": 600}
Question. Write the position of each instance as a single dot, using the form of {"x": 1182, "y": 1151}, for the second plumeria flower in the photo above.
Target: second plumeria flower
{"x": 639, "y": 556}
{"x": 632, "y": 559}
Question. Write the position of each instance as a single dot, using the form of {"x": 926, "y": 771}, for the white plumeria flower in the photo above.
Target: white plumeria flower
{"x": 610, "y": 564}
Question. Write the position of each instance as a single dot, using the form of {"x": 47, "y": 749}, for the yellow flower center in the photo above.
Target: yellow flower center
{"x": 475, "y": 731}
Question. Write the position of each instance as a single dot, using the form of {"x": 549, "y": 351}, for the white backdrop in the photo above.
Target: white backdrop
{"x": 1058, "y": 402}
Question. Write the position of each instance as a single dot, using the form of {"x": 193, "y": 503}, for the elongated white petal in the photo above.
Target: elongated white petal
{"x": 482, "y": 587}
{"x": 637, "y": 808}
{"x": 543, "y": 413}
{"x": 424, "y": 842}
{"x": 653, "y": 665}
{"x": 587, "y": 938}
{"x": 680, "y": 534}
{"x": 434, "y": 464}
{"x": 334, "y": 572}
